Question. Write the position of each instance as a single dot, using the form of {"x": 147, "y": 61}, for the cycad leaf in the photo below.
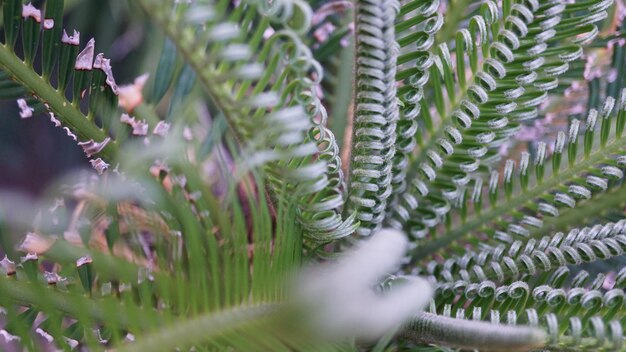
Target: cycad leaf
{"x": 164, "y": 71}
{"x": 510, "y": 77}
{"x": 62, "y": 113}
{"x": 51, "y": 45}
{"x": 247, "y": 90}
{"x": 220, "y": 271}
{"x": 184, "y": 85}
{"x": 541, "y": 257}
{"x": 376, "y": 113}
{"x": 590, "y": 173}
{"x": 577, "y": 317}
{"x": 12, "y": 13}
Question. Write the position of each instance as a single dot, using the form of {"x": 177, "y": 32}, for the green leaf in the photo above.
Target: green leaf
{"x": 84, "y": 267}
{"x": 31, "y": 31}
{"x": 12, "y": 14}
{"x": 184, "y": 84}
{"x": 69, "y": 50}
{"x": 67, "y": 113}
{"x": 164, "y": 72}
{"x": 213, "y": 138}
{"x": 504, "y": 89}
{"x": 375, "y": 114}
{"x": 246, "y": 89}
{"x": 592, "y": 174}
{"x": 51, "y": 44}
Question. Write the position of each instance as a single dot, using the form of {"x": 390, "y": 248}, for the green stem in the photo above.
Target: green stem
{"x": 609, "y": 201}
{"x": 470, "y": 334}
{"x": 204, "y": 328}
{"x": 68, "y": 114}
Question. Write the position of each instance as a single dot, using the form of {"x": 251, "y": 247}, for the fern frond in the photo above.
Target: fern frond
{"x": 574, "y": 317}
{"x": 193, "y": 332}
{"x": 510, "y": 73}
{"x": 590, "y": 171}
{"x": 544, "y": 256}
{"x": 60, "y": 52}
{"x": 417, "y": 26}
{"x": 221, "y": 54}
{"x": 376, "y": 113}
{"x": 112, "y": 273}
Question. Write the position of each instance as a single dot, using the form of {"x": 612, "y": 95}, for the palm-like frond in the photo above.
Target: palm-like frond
{"x": 582, "y": 316}
{"x": 159, "y": 254}
{"x": 223, "y": 56}
{"x": 545, "y": 255}
{"x": 589, "y": 172}
{"x": 376, "y": 113}
{"x": 510, "y": 74}
{"x": 93, "y": 78}
{"x": 94, "y": 284}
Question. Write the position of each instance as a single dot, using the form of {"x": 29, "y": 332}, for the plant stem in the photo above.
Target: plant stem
{"x": 68, "y": 114}
{"x": 469, "y": 334}
{"x": 189, "y": 332}
{"x": 602, "y": 203}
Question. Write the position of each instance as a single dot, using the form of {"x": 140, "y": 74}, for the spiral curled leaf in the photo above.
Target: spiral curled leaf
{"x": 301, "y": 156}
{"x": 553, "y": 202}
{"x": 574, "y": 317}
{"x": 498, "y": 81}
{"x": 376, "y": 112}
{"x": 545, "y": 255}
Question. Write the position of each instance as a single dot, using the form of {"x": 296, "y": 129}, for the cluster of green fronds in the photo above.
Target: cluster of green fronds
{"x": 201, "y": 212}
{"x": 266, "y": 85}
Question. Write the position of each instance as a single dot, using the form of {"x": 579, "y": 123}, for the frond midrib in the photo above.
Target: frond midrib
{"x": 601, "y": 203}
{"x": 202, "y": 328}
{"x": 66, "y": 112}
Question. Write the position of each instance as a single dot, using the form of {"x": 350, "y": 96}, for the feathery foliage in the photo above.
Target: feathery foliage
{"x": 488, "y": 132}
